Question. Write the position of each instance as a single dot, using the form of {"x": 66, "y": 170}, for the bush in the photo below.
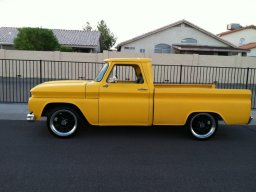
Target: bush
{"x": 66, "y": 49}
{"x": 37, "y": 39}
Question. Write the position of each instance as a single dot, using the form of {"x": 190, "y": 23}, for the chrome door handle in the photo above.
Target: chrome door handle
{"x": 105, "y": 86}
{"x": 142, "y": 89}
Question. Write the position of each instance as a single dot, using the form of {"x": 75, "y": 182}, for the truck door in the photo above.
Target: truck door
{"x": 124, "y": 97}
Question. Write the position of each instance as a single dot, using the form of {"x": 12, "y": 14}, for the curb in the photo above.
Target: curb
{"x": 13, "y": 111}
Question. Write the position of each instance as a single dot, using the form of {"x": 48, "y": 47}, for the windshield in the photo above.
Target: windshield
{"x": 101, "y": 73}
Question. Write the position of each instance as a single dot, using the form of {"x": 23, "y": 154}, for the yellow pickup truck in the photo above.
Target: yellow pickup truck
{"x": 124, "y": 94}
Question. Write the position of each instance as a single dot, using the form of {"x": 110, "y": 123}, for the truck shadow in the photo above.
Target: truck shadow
{"x": 224, "y": 132}
{"x": 134, "y": 132}
{"x": 181, "y": 133}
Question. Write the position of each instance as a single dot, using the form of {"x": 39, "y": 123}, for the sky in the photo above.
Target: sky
{"x": 126, "y": 19}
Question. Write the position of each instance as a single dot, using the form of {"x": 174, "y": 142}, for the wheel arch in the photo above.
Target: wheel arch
{"x": 50, "y": 106}
{"x": 216, "y": 115}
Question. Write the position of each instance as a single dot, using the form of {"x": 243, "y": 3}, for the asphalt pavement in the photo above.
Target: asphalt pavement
{"x": 124, "y": 159}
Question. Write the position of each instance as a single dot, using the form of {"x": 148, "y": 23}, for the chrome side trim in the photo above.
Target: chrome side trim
{"x": 30, "y": 117}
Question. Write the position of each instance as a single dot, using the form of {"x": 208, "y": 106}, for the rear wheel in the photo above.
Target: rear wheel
{"x": 203, "y": 126}
{"x": 63, "y": 121}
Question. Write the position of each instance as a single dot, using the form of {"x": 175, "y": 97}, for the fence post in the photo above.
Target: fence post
{"x": 40, "y": 71}
{"x": 247, "y": 77}
{"x": 2, "y": 53}
{"x": 180, "y": 73}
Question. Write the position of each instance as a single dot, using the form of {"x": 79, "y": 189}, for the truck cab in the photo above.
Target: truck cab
{"x": 126, "y": 93}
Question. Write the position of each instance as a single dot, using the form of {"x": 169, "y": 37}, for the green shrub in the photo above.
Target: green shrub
{"x": 38, "y": 39}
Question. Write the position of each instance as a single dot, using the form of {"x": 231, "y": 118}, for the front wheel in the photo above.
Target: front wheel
{"x": 63, "y": 121}
{"x": 203, "y": 126}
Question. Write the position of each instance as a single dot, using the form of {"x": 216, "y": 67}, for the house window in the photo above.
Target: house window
{"x": 142, "y": 50}
{"x": 162, "y": 48}
{"x": 241, "y": 41}
{"x": 189, "y": 41}
{"x": 129, "y": 48}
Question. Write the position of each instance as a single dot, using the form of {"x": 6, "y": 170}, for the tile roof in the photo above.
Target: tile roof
{"x": 173, "y": 25}
{"x": 248, "y": 46}
{"x": 236, "y": 30}
{"x": 76, "y": 38}
{"x": 7, "y": 35}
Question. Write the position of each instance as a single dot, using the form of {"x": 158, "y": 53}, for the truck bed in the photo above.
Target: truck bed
{"x": 174, "y": 103}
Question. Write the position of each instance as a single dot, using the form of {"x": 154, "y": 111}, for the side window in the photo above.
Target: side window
{"x": 162, "y": 48}
{"x": 142, "y": 50}
{"x": 125, "y": 74}
{"x": 189, "y": 41}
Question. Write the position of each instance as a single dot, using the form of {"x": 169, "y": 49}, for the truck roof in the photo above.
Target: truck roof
{"x": 129, "y": 60}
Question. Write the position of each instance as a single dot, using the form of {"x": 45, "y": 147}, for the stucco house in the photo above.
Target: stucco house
{"x": 80, "y": 41}
{"x": 181, "y": 37}
{"x": 244, "y": 37}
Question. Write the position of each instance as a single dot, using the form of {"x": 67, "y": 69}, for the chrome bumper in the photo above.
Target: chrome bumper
{"x": 30, "y": 117}
{"x": 250, "y": 120}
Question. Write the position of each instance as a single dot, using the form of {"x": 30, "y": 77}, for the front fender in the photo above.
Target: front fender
{"x": 88, "y": 107}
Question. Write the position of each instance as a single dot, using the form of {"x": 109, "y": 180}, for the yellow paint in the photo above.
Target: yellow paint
{"x": 174, "y": 105}
{"x": 104, "y": 103}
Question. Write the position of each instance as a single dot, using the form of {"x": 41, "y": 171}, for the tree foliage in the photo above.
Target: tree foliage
{"x": 87, "y": 27}
{"x": 108, "y": 38}
{"x": 38, "y": 39}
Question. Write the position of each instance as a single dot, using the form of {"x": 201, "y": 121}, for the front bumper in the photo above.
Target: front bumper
{"x": 30, "y": 117}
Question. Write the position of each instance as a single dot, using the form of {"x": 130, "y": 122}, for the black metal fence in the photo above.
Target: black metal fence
{"x": 17, "y": 77}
